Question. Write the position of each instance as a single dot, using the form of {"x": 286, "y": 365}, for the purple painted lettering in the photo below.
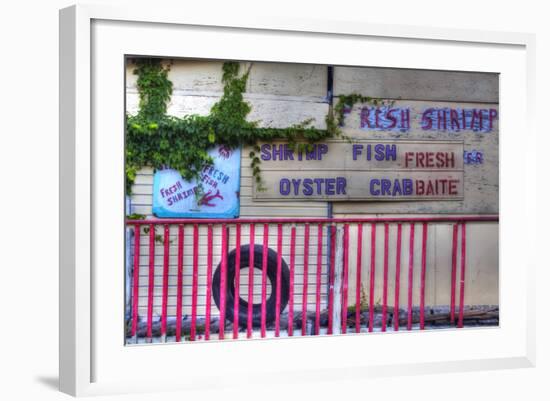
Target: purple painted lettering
{"x": 284, "y": 186}
{"x": 341, "y": 185}
{"x": 356, "y": 150}
{"x": 373, "y": 184}
{"x": 427, "y": 119}
{"x": 266, "y": 152}
{"x": 322, "y": 149}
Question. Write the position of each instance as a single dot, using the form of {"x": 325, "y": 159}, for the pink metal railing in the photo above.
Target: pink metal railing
{"x": 311, "y": 263}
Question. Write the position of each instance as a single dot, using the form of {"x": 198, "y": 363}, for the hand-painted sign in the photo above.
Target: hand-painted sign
{"x": 386, "y": 118}
{"x": 473, "y": 157}
{"x": 449, "y": 119}
{"x": 175, "y": 197}
{"x": 364, "y": 170}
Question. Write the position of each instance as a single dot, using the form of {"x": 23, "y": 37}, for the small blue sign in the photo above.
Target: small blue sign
{"x": 175, "y": 197}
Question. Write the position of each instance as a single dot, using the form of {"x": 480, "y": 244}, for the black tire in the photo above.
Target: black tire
{"x": 243, "y": 304}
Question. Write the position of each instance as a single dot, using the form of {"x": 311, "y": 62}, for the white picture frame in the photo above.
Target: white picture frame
{"x": 93, "y": 41}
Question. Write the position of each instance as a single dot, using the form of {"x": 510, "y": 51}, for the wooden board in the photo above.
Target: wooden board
{"x": 398, "y": 83}
{"x": 363, "y": 170}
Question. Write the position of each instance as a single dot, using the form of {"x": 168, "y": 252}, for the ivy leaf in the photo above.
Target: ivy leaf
{"x": 211, "y": 137}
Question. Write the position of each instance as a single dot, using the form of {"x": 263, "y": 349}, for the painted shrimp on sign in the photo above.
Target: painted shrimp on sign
{"x": 216, "y": 196}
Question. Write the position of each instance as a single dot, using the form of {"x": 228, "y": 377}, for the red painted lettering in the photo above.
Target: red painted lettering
{"x": 453, "y": 190}
{"x": 429, "y": 159}
{"x": 419, "y": 187}
{"x": 408, "y": 158}
{"x": 420, "y": 160}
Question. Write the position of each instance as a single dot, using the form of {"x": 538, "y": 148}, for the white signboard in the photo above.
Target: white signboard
{"x": 364, "y": 170}
{"x": 175, "y": 197}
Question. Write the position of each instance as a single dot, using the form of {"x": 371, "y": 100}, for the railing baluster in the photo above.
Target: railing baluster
{"x": 453, "y": 275}
{"x": 318, "y": 281}
{"x": 151, "y": 282}
{"x": 411, "y": 267}
{"x": 250, "y": 281}
{"x": 358, "y": 285}
{"x": 305, "y": 283}
{"x": 290, "y": 328}
{"x": 135, "y": 293}
{"x": 208, "y": 311}
{"x": 223, "y": 283}
{"x": 166, "y": 260}
{"x": 462, "y": 276}
{"x": 372, "y": 275}
{"x": 160, "y": 329}
{"x": 385, "y": 289}
{"x": 345, "y": 280}
{"x": 264, "y": 279}
{"x": 179, "y": 302}
{"x": 195, "y": 282}
{"x": 397, "y": 279}
{"x": 423, "y": 274}
{"x": 278, "y": 280}
{"x": 331, "y": 277}
{"x": 237, "y": 297}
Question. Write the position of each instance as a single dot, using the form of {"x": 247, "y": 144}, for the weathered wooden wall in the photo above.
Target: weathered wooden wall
{"x": 420, "y": 90}
{"x": 281, "y": 95}
{"x": 284, "y": 94}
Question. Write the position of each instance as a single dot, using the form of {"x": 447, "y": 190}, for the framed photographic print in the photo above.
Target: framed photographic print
{"x": 305, "y": 195}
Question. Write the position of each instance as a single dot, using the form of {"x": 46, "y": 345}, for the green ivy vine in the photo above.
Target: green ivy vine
{"x": 158, "y": 140}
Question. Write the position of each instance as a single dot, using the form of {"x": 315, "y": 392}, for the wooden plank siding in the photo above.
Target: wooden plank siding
{"x": 420, "y": 90}
{"x": 280, "y": 96}
{"x": 202, "y": 260}
{"x": 401, "y": 83}
{"x": 285, "y": 94}
{"x": 480, "y": 180}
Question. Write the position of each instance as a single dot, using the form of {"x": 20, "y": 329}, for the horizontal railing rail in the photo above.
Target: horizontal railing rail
{"x": 289, "y": 220}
